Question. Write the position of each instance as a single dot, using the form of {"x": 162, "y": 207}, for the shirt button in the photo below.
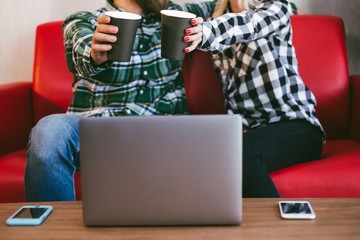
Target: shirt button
{"x": 141, "y": 91}
{"x": 128, "y": 111}
{"x": 145, "y": 73}
{"x": 141, "y": 46}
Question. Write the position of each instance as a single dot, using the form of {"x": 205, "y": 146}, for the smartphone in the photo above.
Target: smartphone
{"x": 296, "y": 210}
{"x": 29, "y": 216}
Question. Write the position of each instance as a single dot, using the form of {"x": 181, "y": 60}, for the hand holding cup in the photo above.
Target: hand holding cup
{"x": 114, "y": 37}
{"x": 127, "y": 24}
{"x": 173, "y": 26}
{"x": 103, "y": 36}
{"x": 194, "y": 34}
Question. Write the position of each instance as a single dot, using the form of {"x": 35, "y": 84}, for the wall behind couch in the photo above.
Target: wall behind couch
{"x": 348, "y": 10}
{"x": 18, "y": 21}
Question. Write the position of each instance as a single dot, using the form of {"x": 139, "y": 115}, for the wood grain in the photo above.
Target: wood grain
{"x": 335, "y": 219}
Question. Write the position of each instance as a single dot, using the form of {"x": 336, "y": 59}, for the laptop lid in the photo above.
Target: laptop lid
{"x": 161, "y": 170}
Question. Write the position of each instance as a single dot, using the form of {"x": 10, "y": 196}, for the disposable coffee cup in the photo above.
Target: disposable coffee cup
{"x": 127, "y": 24}
{"x": 173, "y": 26}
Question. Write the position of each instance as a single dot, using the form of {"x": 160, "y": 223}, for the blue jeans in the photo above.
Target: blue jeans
{"x": 52, "y": 159}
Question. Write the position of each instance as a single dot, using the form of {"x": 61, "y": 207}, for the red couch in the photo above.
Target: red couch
{"x": 320, "y": 46}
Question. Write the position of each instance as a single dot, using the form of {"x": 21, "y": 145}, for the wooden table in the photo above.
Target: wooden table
{"x": 336, "y": 219}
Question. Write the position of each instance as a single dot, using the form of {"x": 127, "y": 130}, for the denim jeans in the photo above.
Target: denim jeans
{"x": 273, "y": 147}
{"x": 52, "y": 159}
{"x": 53, "y": 156}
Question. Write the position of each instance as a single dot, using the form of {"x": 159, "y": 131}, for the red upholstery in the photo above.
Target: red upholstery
{"x": 203, "y": 89}
{"x": 320, "y": 47}
{"x": 354, "y": 131}
{"x": 12, "y": 176}
{"x": 49, "y": 68}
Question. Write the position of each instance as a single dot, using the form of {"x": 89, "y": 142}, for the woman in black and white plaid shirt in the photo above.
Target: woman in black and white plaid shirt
{"x": 255, "y": 58}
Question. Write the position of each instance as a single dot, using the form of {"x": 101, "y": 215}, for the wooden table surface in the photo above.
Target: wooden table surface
{"x": 335, "y": 219}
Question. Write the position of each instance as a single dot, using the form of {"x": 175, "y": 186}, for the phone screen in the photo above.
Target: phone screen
{"x": 301, "y": 208}
{"x": 31, "y": 212}
{"x": 296, "y": 210}
{"x": 29, "y": 215}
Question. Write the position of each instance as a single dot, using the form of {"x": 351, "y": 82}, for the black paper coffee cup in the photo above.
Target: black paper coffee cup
{"x": 127, "y": 24}
{"x": 173, "y": 26}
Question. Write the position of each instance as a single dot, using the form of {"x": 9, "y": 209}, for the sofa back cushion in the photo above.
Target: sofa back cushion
{"x": 202, "y": 84}
{"x": 320, "y": 47}
{"x": 51, "y": 78}
{"x": 321, "y": 52}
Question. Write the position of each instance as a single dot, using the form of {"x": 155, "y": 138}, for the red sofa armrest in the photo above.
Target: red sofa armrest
{"x": 16, "y": 118}
{"x": 354, "y": 130}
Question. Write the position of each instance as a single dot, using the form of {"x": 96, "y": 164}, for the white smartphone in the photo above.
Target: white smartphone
{"x": 296, "y": 210}
{"x": 29, "y": 216}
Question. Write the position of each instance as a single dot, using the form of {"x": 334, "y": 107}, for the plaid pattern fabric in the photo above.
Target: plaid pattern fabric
{"x": 146, "y": 85}
{"x": 258, "y": 67}
{"x": 294, "y": 8}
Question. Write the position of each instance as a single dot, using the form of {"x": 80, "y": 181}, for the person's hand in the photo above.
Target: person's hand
{"x": 193, "y": 34}
{"x": 103, "y": 36}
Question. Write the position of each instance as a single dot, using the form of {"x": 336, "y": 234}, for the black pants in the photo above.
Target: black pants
{"x": 273, "y": 147}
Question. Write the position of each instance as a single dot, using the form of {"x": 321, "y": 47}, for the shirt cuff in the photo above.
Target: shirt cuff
{"x": 208, "y": 40}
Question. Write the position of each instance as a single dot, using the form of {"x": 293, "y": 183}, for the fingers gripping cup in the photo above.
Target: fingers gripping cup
{"x": 173, "y": 26}
{"x": 127, "y": 24}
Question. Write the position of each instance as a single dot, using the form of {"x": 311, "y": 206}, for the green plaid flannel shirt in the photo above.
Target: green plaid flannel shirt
{"x": 147, "y": 85}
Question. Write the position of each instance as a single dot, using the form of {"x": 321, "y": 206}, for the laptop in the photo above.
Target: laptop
{"x": 161, "y": 170}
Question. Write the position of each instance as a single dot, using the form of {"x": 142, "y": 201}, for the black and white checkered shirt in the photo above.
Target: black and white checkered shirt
{"x": 257, "y": 65}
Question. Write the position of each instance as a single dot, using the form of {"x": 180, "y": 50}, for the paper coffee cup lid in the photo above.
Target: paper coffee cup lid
{"x": 176, "y": 13}
{"x": 123, "y": 15}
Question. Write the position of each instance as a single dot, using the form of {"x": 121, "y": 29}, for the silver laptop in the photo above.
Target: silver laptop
{"x": 161, "y": 170}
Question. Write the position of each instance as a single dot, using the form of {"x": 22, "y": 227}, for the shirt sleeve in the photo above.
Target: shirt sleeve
{"x": 232, "y": 28}
{"x": 78, "y": 30}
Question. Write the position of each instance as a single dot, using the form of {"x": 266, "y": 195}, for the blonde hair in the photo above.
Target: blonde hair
{"x": 222, "y": 5}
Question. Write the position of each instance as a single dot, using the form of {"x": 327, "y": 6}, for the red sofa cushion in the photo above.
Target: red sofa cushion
{"x": 320, "y": 47}
{"x": 51, "y": 78}
{"x": 354, "y": 131}
{"x": 335, "y": 175}
{"x": 16, "y": 117}
{"x": 12, "y": 167}
{"x": 203, "y": 88}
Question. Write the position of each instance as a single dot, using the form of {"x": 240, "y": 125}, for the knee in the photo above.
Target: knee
{"x": 50, "y": 128}
{"x": 51, "y": 133}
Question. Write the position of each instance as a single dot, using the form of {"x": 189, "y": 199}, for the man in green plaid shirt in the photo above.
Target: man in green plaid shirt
{"x": 146, "y": 85}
